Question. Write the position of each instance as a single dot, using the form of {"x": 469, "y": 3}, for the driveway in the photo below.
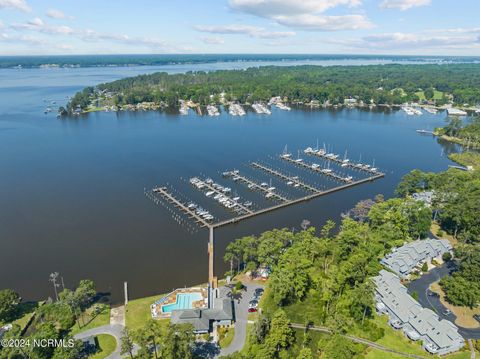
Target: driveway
{"x": 241, "y": 318}
{"x": 422, "y": 285}
{"x": 114, "y": 330}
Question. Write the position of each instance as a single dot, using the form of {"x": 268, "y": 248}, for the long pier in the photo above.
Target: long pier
{"x": 317, "y": 170}
{"x": 256, "y": 186}
{"x": 357, "y": 166}
{"x": 171, "y": 198}
{"x": 295, "y": 201}
{"x": 237, "y": 204}
{"x": 293, "y": 179}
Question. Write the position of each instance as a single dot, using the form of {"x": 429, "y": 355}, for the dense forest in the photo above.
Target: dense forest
{"x": 466, "y": 134}
{"x": 377, "y": 84}
{"x": 324, "y": 278}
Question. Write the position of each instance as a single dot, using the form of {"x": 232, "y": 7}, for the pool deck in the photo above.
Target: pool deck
{"x": 172, "y": 299}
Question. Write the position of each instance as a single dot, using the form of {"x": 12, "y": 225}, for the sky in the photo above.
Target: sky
{"x": 410, "y": 27}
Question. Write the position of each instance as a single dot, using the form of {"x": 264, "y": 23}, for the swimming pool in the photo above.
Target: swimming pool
{"x": 184, "y": 301}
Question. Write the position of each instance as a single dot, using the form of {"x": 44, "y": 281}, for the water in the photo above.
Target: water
{"x": 184, "y": 301}
{"x": 71, "y": 190}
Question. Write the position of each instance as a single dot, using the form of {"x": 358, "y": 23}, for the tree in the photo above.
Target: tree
{"x": 338, "y": 347}
{"x": 126, "y": 343}
{"x": 424, "y": 267}
{"x": 281, "y": 335}
{"x": 9, "y": 301}
{"x": 148, "y": 336}
{"x": 447, "y": 256}
{"x": 260, "y": 329}
{"x": 305, "y": 353}
{"x": 68, "y": 352}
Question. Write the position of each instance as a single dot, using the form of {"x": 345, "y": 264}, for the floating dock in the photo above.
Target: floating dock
{"x": 336, "y": 158}
{"x": 237, "y": 205}
{"x": 296, "y": 201}
{"x": 294, "y": 179}
{"x": 236, "y": 176}
{"x": 242, "y": 210}
{"x": 316, "y": 169}
{"x": 163, "y": 191}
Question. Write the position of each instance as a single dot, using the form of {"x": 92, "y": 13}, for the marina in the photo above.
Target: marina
{"x": 291, "y": 180}
{"x": 343, "y": 162}
{"x": 242, "y": 207}
{"x": 122, "y": 152}
{"x": 316, "y": 168}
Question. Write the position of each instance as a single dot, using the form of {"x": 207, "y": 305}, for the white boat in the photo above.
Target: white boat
{"x": 209, "y": 193}
{"x": 308, "y": 150}
{"x": 282, "y": 106}
{"x": 269, "y": 195}
{"x": 247, "y": 204}
{"x": 289, "y": 183}
{"x": 212, "y": 110}
{"x": 315, "y": 165}
{"x": 270, "y": 189}
{"x": 235, "y": 198}
{"x": 264, "y": 184}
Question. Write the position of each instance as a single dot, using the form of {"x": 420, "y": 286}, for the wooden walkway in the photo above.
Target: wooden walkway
{"x": 293, "y": 179}
{"x": 171, "y": 199}
{"x": 315, "y": 169}
{"x": 298, "y": 200}
{"x": 237, "y": 204}
{"x": 256, "y": 186}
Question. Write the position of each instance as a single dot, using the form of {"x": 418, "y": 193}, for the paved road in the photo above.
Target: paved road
{"x": 114, "y": 330}
{"x": 358, "y": 340}
{"x": 422, "y": 285}
{"x": 241, "y": 318}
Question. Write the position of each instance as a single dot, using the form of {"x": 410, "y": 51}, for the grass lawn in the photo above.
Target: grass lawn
{"x": 95, "y": 316}
{"x": 466, "y": 159}
{"x": 394, "y": 339}
{"x": 435, "y": 227}
{"x": 437, "y": 95}
{"x": 25, "y": 312}
{"x": 106, "y": 346}
{"x": 137, "y": 312}
{"x": 225, "y": 336}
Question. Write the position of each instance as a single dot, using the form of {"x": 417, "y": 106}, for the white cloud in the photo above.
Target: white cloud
{"x": 270, "y": 8}
{"x": 413, "y": 42}
{"x": 324, "y": 22}
{"x": 15, "y": 4}
{"x": 38, "y": 25}
{"x": 305, "y": 14}
{"x": 57, "y": 14}
{"x": 212, "y": 40}
{"x": 403, "y": 4}
{"x": 252, "y": 31}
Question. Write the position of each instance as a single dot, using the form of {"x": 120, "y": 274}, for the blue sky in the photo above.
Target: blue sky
{"x": 414, "y": 27}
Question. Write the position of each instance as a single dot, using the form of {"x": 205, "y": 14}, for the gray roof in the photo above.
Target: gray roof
{"x": 201, "y": 318}
{"x": 404, "y": 259}
{"x": 391, "y": 292}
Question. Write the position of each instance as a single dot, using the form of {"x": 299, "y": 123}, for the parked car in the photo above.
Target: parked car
{"x": 252, "y": 310}
{"x": 432, "y": 294}
{"x": 477, "y": 317}
{"x": 447, "y": 312}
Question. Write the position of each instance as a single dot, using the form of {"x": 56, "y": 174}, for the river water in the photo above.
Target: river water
{"x": 72, "y": 190}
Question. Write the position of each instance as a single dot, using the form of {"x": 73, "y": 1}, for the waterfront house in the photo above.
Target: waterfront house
{"x": 204, "y": 320}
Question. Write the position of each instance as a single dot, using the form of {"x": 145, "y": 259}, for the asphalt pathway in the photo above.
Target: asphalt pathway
{"x": 421, "y": 287}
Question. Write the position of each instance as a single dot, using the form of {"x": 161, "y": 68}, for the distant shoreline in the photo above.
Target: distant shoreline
{"x": 85, "y": 61}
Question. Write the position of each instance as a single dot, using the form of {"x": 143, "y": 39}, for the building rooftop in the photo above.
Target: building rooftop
{"x": 201, "y": 319}
{"x": 418, "y": 320}
{"x": 404, "y": 259}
